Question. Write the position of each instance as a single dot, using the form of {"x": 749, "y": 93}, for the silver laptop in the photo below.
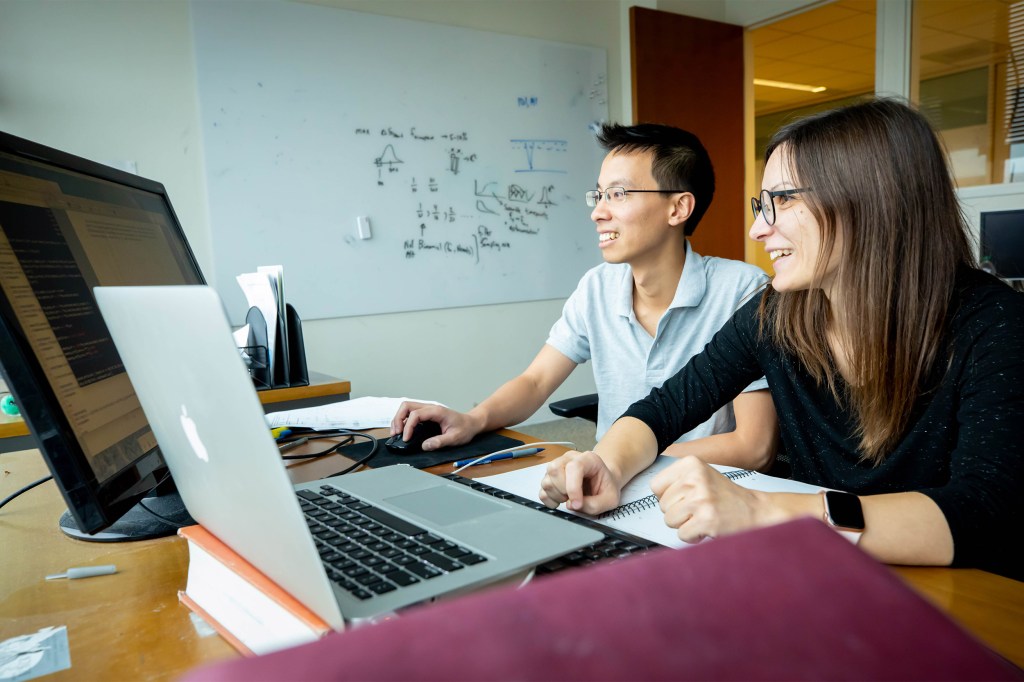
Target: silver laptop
{"x": 178, "y": 351}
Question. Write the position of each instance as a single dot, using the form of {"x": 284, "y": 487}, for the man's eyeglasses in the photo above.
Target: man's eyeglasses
{"x": 616, "y": 195}
{"x": 766, "y": 204}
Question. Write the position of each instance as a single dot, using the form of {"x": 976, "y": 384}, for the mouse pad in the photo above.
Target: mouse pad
{"x": 481, "y": 445}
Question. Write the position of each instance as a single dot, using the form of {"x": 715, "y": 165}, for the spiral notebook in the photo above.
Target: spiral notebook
{"x": 639, "y": 513}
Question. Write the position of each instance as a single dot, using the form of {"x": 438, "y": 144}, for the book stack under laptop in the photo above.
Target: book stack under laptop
{"x": 248, "y": 609}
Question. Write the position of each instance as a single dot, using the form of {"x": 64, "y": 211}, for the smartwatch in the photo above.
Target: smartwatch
{"x": 844, "y": 513}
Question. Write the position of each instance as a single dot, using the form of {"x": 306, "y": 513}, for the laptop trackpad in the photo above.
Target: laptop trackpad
{"x": 445, "y": 505}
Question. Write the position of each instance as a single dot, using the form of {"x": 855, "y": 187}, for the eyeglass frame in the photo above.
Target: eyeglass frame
{"x": 596, "y": 195}
{"x": 758, "y": 203}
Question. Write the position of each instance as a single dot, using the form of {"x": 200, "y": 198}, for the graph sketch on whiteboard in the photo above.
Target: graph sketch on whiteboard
{"x": 539, "y": 154}
{"x": 387, "y": 159}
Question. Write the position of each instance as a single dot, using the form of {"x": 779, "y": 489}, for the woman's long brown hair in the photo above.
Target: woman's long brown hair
{"x": 878, "y": 174}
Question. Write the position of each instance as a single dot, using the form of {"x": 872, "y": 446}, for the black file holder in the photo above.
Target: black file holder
{"x": 257, "y": 361}
{"x": 289, "y": 362}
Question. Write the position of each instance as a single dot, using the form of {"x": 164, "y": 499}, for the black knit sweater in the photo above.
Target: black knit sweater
{"x": 964, "y": 446}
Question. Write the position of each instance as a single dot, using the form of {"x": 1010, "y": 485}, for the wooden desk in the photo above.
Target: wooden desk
{"x": 14, "y": 434}
{"x": 131, "y": 626}
{"x": 989, "y": 606}
{"x": 322, "y": 389}
{"x": 123, "y": 626}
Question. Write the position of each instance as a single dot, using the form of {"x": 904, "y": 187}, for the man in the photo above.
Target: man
{"x": 640, "y": 315}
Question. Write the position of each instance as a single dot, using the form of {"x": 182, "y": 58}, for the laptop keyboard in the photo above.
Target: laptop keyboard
{"x": 616, "y": 544}
{"x": 368, "y": 551}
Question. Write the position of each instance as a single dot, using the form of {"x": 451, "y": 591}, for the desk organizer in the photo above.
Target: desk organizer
{"x": 257, "y": 362}
{"x": 288, "y": 366}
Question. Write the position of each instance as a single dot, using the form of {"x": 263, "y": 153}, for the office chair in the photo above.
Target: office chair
{"x": 583, "y": 406}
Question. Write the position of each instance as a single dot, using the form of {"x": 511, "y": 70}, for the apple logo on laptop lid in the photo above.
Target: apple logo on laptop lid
{"x": 192, "y": 434}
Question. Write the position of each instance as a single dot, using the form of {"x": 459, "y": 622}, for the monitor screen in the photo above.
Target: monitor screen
{"x": 66, "y": 226}
{"x": 1002, "y": 243}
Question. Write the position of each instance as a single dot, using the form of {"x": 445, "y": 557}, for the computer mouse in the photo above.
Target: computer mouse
{"x": 414, "y": 445}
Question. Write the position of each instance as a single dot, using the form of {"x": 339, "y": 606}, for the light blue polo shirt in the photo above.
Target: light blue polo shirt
{"x": 598, "y": 324}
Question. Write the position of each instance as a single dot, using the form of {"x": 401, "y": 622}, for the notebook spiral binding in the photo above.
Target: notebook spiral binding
{"x": 634, "y": 507}
{"x": 637, "y": 506}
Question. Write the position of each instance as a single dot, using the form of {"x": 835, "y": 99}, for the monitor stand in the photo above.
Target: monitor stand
{"x": 137, "y": 523}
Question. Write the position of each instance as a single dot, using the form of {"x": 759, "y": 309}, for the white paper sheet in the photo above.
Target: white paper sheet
{"x": 276, "y": 275}
{"x": 261, "y": 292}
{"x": 358, "y": 413}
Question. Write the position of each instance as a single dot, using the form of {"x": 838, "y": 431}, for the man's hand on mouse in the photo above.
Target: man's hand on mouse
{"x": 456, "y": 428}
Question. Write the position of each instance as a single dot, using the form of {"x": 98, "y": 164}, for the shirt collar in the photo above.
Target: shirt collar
{"x": 693, "y": 284}
{"x": 689, "y": 292}
{"x": 624, "y": 300}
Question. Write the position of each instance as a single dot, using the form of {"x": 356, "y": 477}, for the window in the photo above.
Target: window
{"x": 812, "y": 61}
{"x": 968, "y": 83}
{"x": 969, "y": 65}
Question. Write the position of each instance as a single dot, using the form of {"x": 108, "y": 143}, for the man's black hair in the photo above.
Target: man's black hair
{"x": 679, "y": 161}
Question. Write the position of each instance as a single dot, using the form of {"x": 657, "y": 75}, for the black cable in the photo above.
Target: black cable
{"x": 299, "y": 431}
{"x": 313, "y": 455}
{"x": 160, "y": 517}
{"x": 364, "y": 460}
{"x": 350, "y": 435}
{"x": 10, "y": 497}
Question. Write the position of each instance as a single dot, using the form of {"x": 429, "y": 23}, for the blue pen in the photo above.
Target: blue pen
{"x": 528, "y": 452}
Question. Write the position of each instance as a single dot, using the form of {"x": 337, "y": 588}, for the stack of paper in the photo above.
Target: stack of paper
{"x": 358, "y": 413}
{"x": 264, "y": 290}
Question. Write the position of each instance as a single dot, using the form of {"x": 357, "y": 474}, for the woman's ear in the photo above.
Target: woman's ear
{"x": 682, "y": 208}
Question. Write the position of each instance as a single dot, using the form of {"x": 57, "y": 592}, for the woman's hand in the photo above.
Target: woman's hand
{"x": 583, "y": 481}
{"x": 699, "y": 502}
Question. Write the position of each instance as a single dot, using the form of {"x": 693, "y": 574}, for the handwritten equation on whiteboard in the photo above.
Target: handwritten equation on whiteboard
{"x": 483, "y": 213}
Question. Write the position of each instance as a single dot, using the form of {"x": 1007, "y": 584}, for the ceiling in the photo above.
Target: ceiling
{"x": 833, "y": 45}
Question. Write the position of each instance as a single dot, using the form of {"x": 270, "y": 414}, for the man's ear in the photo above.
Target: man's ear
{"x": 682, "y": 209}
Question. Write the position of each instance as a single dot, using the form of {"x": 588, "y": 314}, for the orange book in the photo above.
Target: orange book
{"x": 246, "y": 607}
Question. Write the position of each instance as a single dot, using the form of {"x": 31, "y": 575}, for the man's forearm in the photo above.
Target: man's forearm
{"x": 519, "y": 398}
{"x": 727, "y": 449}
{"x": 751, "y": 446}
{"x": 513, "y": 403}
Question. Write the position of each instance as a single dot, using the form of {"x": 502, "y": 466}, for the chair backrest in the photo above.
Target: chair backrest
{"x": 584, "y": 406}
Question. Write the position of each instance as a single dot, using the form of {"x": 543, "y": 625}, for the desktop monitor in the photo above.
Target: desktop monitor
{"x": 66, "y": 226}
{"x": 1002, "y": 243}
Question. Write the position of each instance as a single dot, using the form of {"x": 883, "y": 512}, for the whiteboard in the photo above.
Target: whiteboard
{"x": 468, "y": 152}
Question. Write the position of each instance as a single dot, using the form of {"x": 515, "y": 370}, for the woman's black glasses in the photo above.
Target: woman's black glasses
{"x": 765, "y": 205}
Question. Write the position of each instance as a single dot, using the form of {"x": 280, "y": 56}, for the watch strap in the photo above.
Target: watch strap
{"x": 853, "y": 536}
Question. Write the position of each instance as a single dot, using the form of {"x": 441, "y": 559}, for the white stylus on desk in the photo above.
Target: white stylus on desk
{"x": 84, "y": 572}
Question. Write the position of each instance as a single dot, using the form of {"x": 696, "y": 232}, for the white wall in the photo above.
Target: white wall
{"x": 115, "y": 82}
{"x": 111, "y": 82}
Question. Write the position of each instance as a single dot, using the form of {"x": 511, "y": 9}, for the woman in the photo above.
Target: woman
{"x": 896, "y": 367}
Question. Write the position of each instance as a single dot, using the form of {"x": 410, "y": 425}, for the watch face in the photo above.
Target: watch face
{"x": 844, "y": 510}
